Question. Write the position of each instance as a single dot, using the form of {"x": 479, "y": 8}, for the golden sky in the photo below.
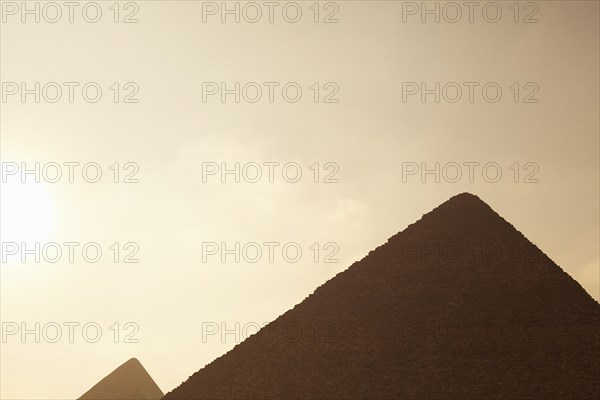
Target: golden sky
{"x": 363, "y": 131}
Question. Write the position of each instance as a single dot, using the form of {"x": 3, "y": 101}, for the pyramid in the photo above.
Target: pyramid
{"x": 130, "y": 381}
{"x": 459, "y": 305}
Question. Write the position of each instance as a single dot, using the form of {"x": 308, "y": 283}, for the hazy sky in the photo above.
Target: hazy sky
{"x": 370, "y": 61}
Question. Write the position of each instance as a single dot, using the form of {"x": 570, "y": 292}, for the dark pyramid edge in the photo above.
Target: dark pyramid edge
{"x": 462, "y": 200}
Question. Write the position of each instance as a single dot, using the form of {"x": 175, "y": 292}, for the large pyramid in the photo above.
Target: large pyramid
{"x": 130, "y": 381}
{"x": 459, "y": 305}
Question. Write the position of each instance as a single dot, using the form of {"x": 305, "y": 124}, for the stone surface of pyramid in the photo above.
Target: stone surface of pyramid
{"x": 130, "y": 381}
{"x": 459, "y": 305}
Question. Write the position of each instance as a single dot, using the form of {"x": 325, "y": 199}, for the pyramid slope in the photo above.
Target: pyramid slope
{"x": 130, "y": 381}
{"x": 419, "y": 319}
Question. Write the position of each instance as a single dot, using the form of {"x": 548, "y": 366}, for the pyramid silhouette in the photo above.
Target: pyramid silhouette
{"x": 130, "y": 381}
{"x": 459, "y": 305}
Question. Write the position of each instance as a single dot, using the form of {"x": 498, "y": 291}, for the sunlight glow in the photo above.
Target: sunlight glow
{"x": 27, "y": 212}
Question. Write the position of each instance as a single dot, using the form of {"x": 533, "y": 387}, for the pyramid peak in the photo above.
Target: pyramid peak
{"x": 133, "y": 364}
{"x": 464, "y": 197}
{"x": 128, "y": 381}
{"x": 465, "y": 205}
{"x": 132, "y": 360}
{"x": 463, "y": 213}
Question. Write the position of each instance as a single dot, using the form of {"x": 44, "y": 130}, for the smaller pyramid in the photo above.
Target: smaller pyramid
{"x": 129, "y": 381}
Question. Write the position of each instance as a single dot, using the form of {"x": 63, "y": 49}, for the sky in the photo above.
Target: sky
{"x": 342, "y": 109}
